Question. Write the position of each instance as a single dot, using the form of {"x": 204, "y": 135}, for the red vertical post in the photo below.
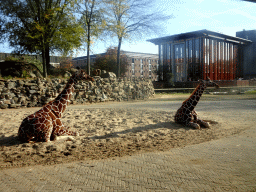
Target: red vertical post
{"x": 225, "y": 61}
{"x": 204, "y": 59}
{"x": 218, "y": 61}
{"x": 215, "y": 60}
{"x": 230, "y": 62}
{"x": 236, "y": 74}
{"x": 210, "y": 69}
{"x": 221, "y": 61}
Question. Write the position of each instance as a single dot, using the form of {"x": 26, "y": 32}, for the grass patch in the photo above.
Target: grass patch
{"x": 164, "y": 93}
{"x": 251, "y": 92}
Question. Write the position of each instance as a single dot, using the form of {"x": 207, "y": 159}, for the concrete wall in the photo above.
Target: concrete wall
{"x": 36, "y": 93}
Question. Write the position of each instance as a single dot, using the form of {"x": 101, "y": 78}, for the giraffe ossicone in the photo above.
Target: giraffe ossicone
{"x": 45, "y": 124}
{"x": 186, "y": 114}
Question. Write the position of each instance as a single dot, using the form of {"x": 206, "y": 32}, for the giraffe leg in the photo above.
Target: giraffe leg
{"x": 194, "y": 115}
{"x": 203, "y": 123}
{"x": 60, "y": 129}
{"x": 199, "y": 121}
{"x": 191, "y": 123}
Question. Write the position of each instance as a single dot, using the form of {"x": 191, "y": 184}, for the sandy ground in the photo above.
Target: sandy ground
{"x": 106, "y": 133}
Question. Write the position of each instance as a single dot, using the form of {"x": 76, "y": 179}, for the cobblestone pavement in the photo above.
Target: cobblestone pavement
{"x": 227, "y": 164}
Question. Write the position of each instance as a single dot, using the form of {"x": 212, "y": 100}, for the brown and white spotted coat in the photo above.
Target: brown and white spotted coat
{"x": 186, "y": 114}
{"x": 45, "y": 124}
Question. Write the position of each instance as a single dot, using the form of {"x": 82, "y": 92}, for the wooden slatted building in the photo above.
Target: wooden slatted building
{"x": 201, "y": 54}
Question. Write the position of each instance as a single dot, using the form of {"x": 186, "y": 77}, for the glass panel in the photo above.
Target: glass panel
{"x": 189, "y": 51}
{"x": 197, "y": 49}
{"x": 179, "y": 53}
{"x": 213, "y": 45}
{"x": 161, "y": 54}
{"x": 180, "y": 62}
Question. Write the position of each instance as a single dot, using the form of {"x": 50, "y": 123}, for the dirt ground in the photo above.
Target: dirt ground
{"x": 106, "y": 133}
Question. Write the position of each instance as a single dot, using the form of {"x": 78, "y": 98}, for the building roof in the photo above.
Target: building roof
{"x": 84, "y": 57}
{"x": 127, "y": 53}
{"x": 140, "y": 55}
{"x": 200, "y": 33}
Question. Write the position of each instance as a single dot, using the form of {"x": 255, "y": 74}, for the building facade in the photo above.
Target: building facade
{"x": 248, "y": 54}
{"x": 81, "y": 62}
{"x": 201, "y": 54}
{"x": 140, "y": 64}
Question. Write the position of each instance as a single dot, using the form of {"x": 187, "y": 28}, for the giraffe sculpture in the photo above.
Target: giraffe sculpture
{"x": 186, "y": 114}
{"x": 45, "y": 124}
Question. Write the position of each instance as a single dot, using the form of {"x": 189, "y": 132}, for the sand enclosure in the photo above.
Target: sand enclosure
{"x": 106, "y": 133}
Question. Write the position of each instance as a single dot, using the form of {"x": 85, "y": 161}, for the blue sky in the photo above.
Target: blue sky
{"x": 224, "y": 16}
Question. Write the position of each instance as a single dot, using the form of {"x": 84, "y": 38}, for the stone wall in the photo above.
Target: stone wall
{"x": 36, "y": 93}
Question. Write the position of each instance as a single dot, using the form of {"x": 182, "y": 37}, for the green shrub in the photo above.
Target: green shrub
{"x": 251, "y": 92}
{"x": 26, "y": 60}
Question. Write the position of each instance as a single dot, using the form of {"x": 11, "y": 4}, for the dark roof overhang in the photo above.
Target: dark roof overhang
{"x": 196, "y": 34}
{"x": 253, "y": 1}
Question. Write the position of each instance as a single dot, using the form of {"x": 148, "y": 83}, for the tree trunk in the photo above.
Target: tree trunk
{"x": 88, "y": 59}
{"x": 88, "y": 51}
{"x": 47, "y": 59}
{"x": 118, "y": 57}
{"x": 44, "y": 64}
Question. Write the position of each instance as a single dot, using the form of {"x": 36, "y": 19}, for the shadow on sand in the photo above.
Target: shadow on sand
{"x": 9, "y": 141}
{"x": 168, "y": 125}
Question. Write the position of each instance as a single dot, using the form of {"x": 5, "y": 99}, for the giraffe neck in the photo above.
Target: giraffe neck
{"x": 59, "y": 105}
{"x": 194, "y": 98}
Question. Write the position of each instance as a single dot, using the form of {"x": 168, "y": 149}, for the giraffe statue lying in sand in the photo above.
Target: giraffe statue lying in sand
{"x": 45, "y": 124}
{"x": 186, "y": 114}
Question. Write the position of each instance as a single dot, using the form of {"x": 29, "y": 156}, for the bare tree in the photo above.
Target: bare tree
{"x": 128, "y": 19}
{"x": 92, "y": 21}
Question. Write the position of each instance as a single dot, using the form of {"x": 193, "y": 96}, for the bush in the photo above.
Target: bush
{"x": 26, "y": 60}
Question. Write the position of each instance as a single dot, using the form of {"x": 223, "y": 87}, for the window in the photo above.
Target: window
{"x": 179, "y": 53}
{"x": 149, "y": 69}
{"x": 133, "y": 67}
{"x": 141, "y": 69}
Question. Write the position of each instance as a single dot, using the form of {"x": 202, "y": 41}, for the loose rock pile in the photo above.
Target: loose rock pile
{"x": 36, "y": 93}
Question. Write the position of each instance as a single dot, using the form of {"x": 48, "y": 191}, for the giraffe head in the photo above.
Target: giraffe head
{"x": 81, "y": 75}
{"x": 210, "y": 83}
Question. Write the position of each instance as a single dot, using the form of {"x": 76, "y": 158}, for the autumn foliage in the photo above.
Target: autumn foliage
{"x": 108, "y": 62}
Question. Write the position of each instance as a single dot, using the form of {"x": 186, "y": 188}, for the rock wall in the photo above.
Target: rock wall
{"x": 36, "y": 93}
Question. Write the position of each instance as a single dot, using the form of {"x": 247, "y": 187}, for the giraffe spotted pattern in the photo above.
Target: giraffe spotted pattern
{"x": 186, "y": 114}
{"x": 45, "y": 124}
